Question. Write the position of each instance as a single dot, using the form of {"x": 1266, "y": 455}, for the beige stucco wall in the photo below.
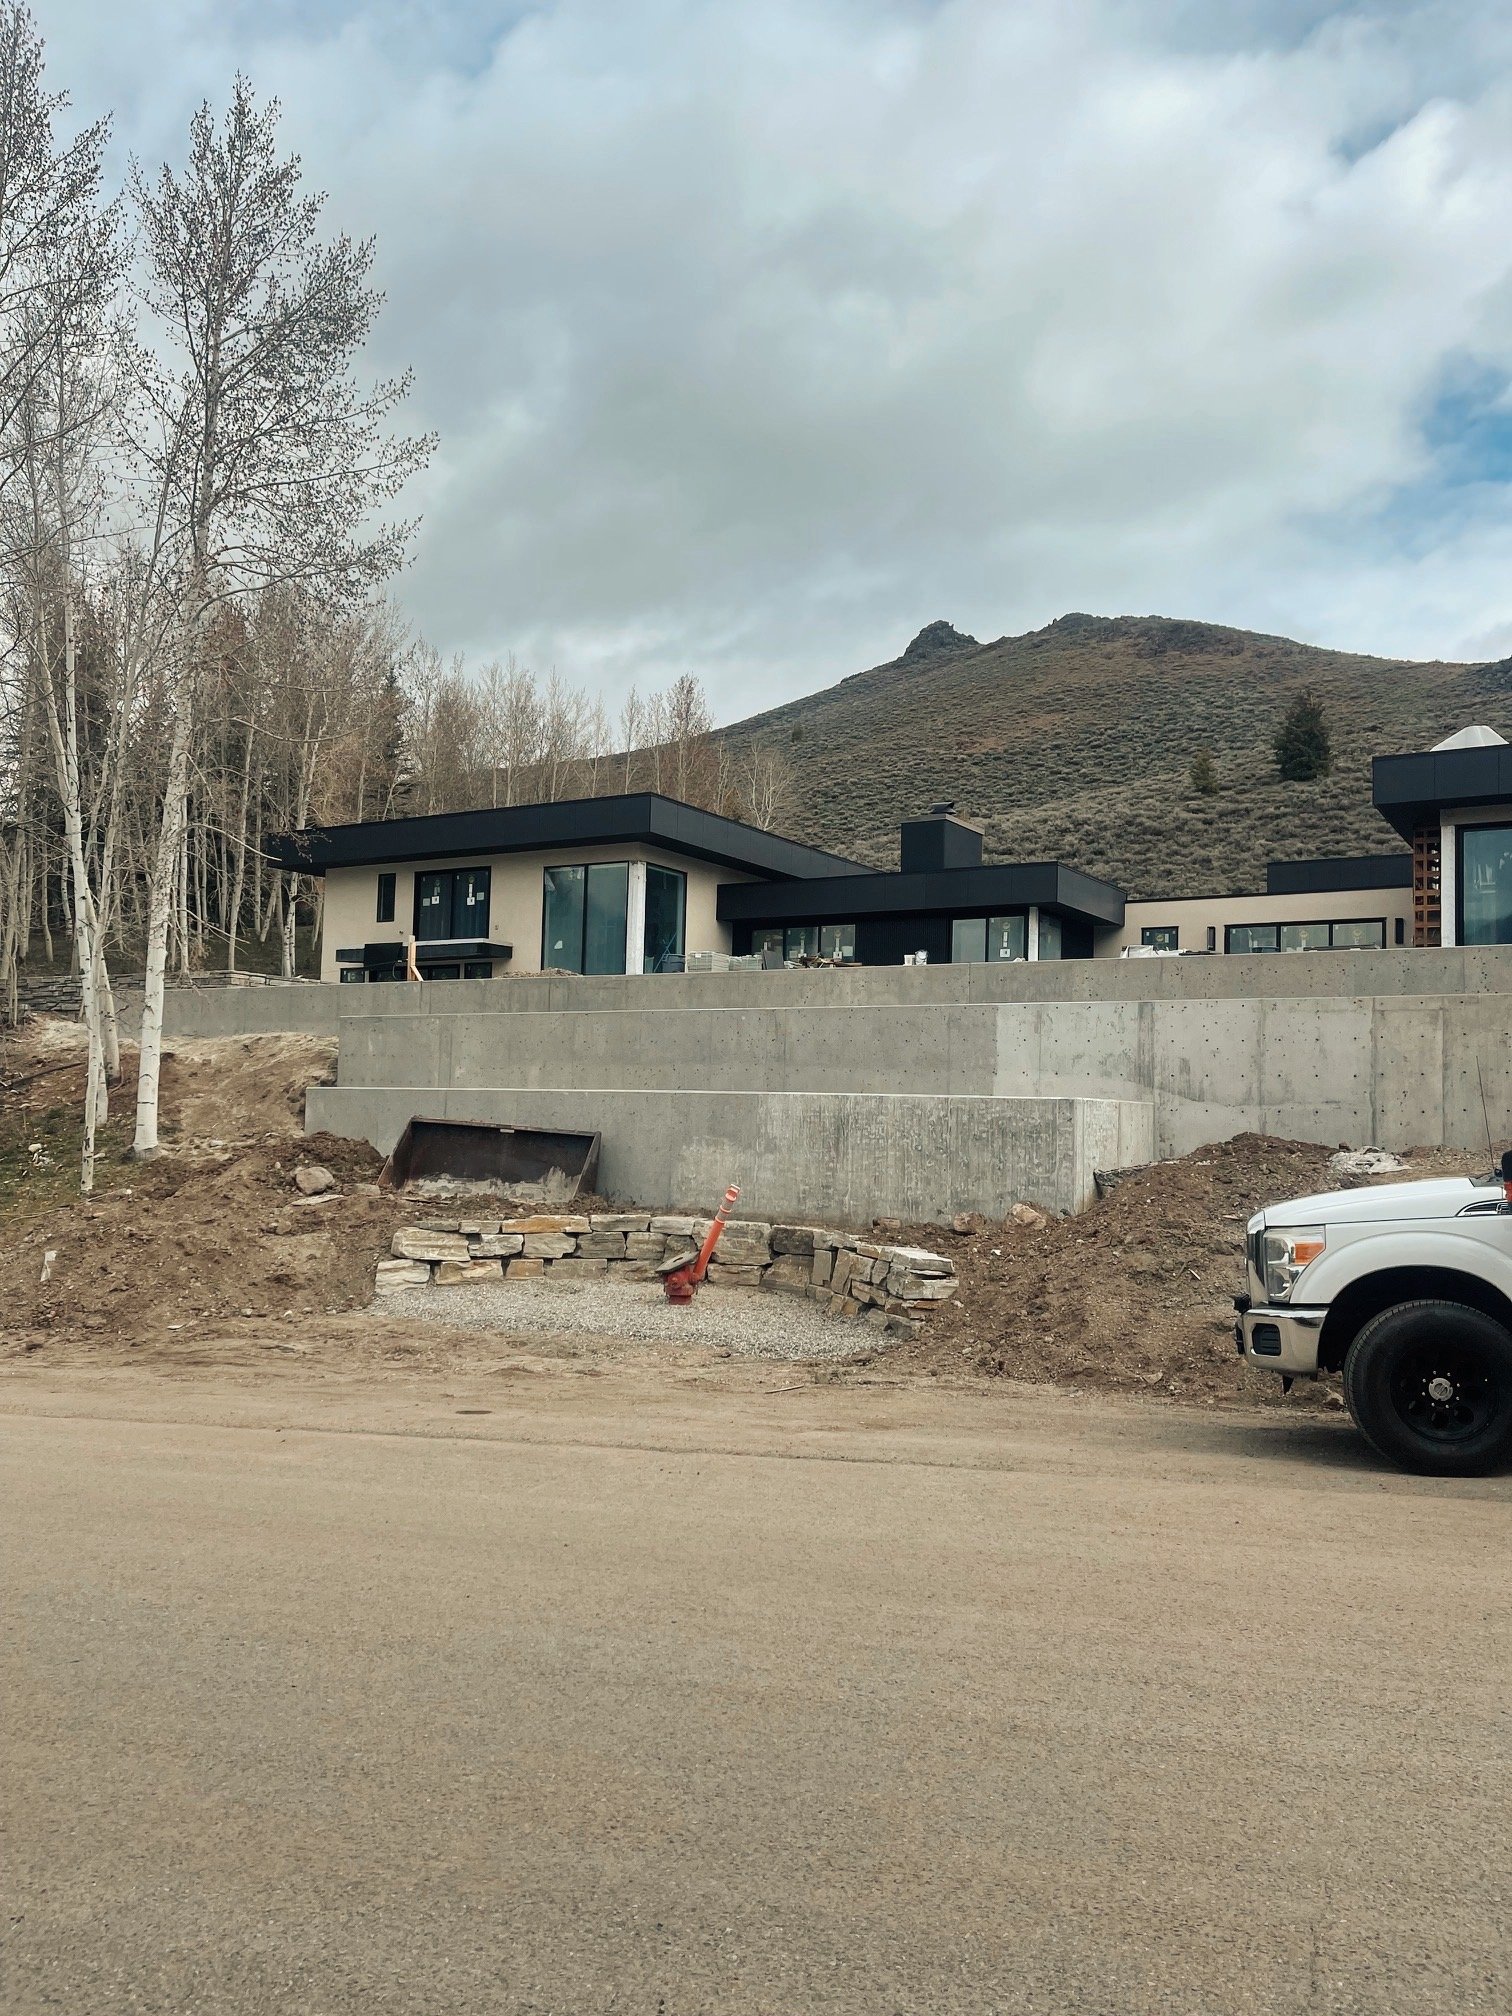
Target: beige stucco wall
{"x": 515, "y": 897}
{"x": 1193, "y": 915}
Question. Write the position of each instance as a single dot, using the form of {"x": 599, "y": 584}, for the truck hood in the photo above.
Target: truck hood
{"x": 1440, "y": 1197}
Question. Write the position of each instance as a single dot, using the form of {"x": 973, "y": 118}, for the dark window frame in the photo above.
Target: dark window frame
{"x": 1300, "y": 924}
{"x": 472, "y": 927}
{"x": 388, "y": 884}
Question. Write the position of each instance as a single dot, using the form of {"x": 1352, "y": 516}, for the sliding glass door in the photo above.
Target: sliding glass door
{"x": 583, "y": 916}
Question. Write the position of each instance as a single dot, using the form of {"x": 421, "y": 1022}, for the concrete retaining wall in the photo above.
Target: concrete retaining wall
{"x": 918, "y": 1092}
{"x": 843, "y": 1157}
{"x": 1398, "y": 1070}
{"x": 307, "y": 1009}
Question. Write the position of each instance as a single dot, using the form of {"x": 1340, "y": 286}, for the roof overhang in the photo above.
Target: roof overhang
{"x": 1047, "y": 885}
{"x": 639, "y": 819}
{"x": 1412, "y": 791}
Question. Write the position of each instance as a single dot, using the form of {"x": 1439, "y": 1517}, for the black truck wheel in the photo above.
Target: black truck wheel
{"x": 1430, "y": 1385}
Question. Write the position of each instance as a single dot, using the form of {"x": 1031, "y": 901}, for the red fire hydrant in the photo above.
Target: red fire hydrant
{"x": 682, "y": 1284}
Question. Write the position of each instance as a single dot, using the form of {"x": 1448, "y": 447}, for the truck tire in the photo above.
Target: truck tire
{"x": 1429, "y": 1384}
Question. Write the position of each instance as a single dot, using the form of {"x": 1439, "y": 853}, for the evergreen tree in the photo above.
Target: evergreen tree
{"x": 1303, "y": 746}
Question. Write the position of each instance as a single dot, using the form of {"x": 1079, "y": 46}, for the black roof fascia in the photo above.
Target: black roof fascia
{"x": 1338, "y": 871}
{"x": 955, "y": 891}
{"x": 1411, "y": 791}
{"x": 428, "y": 951}
{"x": 643, "y": 818}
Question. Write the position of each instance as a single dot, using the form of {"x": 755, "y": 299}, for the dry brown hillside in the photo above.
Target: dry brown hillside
{"x": 1075, "y": 742}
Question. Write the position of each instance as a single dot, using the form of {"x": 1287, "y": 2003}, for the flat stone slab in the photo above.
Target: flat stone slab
{"x": 414, "y": 1243}
{"x": 396, "y": 1274}
{"x": 456, "y": 1273}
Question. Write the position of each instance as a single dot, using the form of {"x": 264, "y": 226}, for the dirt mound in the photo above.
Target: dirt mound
{"x": 1135, "y": 1294}
{"x": 211, "y": 1228}
{"x": 244, "y": 1090}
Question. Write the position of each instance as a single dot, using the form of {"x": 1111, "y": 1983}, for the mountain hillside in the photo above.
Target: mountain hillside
{"x": 1075, "y": 742}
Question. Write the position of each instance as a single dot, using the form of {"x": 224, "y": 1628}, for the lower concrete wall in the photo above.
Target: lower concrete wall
{"x": 844, "y": 1158}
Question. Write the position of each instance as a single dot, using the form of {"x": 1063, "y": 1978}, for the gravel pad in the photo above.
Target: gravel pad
{"x": 747, "y": 1323}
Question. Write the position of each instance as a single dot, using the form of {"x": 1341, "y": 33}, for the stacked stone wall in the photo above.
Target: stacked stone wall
{"x": 892, "y": 1288}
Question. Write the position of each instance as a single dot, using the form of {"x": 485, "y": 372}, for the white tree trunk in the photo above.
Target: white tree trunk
{"x": 290, "y": 926}
{"x": 159, "y": 917}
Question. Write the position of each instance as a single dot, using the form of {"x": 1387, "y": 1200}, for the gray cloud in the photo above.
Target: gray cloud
{"x": 759, "y": 335}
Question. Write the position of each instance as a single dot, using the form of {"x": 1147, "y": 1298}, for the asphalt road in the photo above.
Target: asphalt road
{"x": 623, "y": 1699}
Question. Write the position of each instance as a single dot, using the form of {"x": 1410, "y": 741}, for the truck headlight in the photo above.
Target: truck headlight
{"x": 1287, "y": 1251}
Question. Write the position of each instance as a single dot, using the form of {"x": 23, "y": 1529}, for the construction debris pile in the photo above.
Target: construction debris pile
{"x": 893, "y": 1288}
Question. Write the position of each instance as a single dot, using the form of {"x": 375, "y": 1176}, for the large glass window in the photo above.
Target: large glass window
{"x": 1251, "y": 938}
{"x": 583, "y": 917}
{"x": 1485, "y": 885}
{"x": 452, "y": 903}
{"x": 1304, "y": 937}
{"x": 1007, "y": 937}
{"x": 433, "y": 904}
{"x": 604, "y": 919}
{"x": 1346, "y": 934}
{"x": 975, "y": 939}
{"x": 804, "y": 941}
{"x": 968, "y": 940}
{"x": 666, "y": 920}
{"x": 1359, "y": 934}
{"x": 562, "y": 919}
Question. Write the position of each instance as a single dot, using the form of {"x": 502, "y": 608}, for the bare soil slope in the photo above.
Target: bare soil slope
{"x": 1075, "y": 742}
{"x": 1135, "y": 1294}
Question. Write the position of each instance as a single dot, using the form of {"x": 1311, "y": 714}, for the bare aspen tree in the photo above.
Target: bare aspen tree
{"x": 266, "y": 456}
{"x": 45, "y": 187}
{"x": 50, "y": 517}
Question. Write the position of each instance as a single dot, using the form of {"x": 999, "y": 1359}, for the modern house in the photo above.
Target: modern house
{"x": 644, "y": 884}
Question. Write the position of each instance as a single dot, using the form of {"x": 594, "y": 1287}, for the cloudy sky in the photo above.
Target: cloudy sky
{"x": 758, "y": 333}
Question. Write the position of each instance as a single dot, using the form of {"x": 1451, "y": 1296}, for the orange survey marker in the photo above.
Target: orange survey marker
{"x": 682, "y": 1285}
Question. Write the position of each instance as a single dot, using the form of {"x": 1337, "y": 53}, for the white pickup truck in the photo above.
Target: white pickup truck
{"x": 1405, "y": 1289}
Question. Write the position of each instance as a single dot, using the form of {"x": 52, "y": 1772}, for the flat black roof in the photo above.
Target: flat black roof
{"x": 955, "y": 891}
{"x": 1411, "y": 791}
{"x": 643, "y": 818}
{"x": 1338, "y": 871}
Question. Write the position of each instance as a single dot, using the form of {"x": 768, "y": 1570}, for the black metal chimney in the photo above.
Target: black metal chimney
{"x": 942, "y": 840}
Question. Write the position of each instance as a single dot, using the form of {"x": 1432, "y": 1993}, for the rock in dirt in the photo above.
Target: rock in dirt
{"x": 311, "y": 1180}
{"x": 1353, "y": 1164}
